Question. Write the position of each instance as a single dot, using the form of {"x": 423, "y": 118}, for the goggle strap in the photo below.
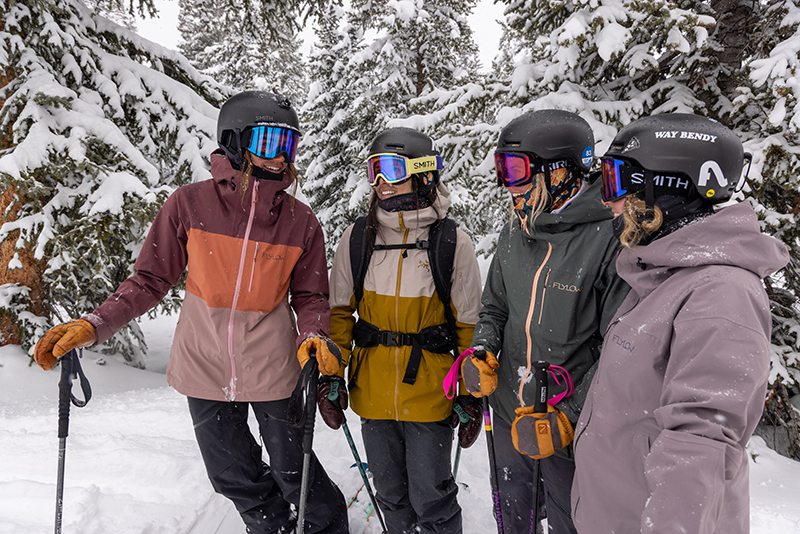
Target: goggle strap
{"x": 649, "y": 189}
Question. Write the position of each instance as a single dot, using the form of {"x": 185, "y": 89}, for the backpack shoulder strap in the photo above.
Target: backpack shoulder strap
{"x": 441, "y": 254}
{"x": 360, "y": 254}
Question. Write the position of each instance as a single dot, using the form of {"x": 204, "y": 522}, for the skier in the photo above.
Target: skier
{"x": 255, "y": 257}
{"x": 660, "y": 445}
{"x": 550, "y": 292}
{"x": 403, "y": 340}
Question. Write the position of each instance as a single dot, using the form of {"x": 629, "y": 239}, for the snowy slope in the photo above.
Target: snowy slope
{"x": 132, "y": 465}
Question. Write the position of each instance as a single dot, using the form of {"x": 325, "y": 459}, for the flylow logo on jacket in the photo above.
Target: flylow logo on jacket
{"x": 624, "y": 343}
{"x": 268, "y": 256}
{"x": 570, "y": 288}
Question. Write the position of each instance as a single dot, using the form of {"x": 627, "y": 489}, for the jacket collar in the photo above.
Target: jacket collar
{"x": 225, "y": 175}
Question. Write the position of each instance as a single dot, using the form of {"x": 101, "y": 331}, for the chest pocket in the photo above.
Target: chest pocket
{"x": 563, "y": 299}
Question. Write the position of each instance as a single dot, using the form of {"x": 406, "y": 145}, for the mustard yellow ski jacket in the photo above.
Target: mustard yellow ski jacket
{"x": 399, "y": 296}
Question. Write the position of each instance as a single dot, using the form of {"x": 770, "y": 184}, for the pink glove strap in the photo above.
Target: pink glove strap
{"x": 553, "y": 369}
{"x": 450, "y": 383}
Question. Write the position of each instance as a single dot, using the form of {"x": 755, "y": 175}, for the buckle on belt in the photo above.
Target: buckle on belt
{"x": 395, "y": 339}
{"x": 390, "y": 339}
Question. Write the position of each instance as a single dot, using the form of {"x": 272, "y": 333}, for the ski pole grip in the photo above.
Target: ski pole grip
{"x": 64, "y": 393}
{"x": 540, "y": 380}
{"x": 311, "y": 405}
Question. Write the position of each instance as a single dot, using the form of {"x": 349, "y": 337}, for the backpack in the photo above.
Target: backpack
{"x": 441, "y": 247}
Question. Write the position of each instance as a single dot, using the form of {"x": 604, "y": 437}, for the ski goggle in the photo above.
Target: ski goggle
{"x": 616, "y": 179}
{"x": 269, "y": 141}
{"x": 514, "y": 169}
{"x": 394, "y": 168}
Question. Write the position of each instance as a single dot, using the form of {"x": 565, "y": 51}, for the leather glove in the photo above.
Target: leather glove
{"x": 61, "y": 339}
{"x": 329, "y": 357}
{"x": 538, "y": 434}
{"x": 332, "y": 410}
{"x": 479, "y": 373}
{"x": 468, "y": 414}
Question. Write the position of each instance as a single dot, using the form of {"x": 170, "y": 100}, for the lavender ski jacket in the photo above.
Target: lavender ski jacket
{"x": 680, "y": 386}
{"x": 253, "y": 263}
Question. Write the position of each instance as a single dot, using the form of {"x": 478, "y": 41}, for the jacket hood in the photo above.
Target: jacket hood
{"x": 584, "y": 208}
{"x": 222, "y": 171}
{"x": 729, "y": 237}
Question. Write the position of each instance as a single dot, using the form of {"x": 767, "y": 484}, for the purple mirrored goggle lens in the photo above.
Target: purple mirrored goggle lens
{"x": 512, "y": 169}
{"x": 614, "y": 186}
{"x": 269, "y": 141}
{"x": 515, "y": 169}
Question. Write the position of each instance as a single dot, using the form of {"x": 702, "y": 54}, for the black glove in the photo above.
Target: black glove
{"x": 467, "y": 414}
{"x": 332, "y": 410}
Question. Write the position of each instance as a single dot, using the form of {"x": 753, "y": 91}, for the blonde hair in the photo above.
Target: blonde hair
{"x": 639, "y": 220}
{"x": 540, "y": 198}
{"x": 247, "y": 173}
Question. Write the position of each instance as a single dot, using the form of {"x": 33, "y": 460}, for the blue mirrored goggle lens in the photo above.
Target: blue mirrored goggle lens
{"x": 391, "y": 167}
{"x": 613, "y": 188}
{"x": 512, "y": 169}
{"x": 269, "y": 141}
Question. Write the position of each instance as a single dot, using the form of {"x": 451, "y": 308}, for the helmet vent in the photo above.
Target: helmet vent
{"x": 394, "y": 146}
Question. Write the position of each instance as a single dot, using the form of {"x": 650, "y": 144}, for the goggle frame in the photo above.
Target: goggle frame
{"x": 401, "y": 167}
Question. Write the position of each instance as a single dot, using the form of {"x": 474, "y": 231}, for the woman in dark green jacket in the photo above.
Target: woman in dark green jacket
{"x": 549, "y": 296}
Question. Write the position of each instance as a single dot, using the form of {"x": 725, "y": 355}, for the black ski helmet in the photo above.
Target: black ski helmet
{"x": 241, "y": 112}
{"x": 704, "y": 150}
{"x": 551, "y": 134}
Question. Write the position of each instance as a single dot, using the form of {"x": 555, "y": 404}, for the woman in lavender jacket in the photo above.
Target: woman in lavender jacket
{"x": 660, "y": 444}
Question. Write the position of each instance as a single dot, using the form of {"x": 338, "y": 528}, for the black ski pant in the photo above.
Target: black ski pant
{"x": 262, "y": 493}
{"x": 515, "y": 478}
{"x": 410, "y": 465}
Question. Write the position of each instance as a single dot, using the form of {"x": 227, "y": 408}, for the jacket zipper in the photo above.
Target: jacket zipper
{"x": 530, "y": 319}
{"x": 253, "y": 268}
{"x": 397, "y": 373}
{"x": 231, "y": 394}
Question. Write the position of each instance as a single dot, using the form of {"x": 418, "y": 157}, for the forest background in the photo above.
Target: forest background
{"x": 98, "y": 125}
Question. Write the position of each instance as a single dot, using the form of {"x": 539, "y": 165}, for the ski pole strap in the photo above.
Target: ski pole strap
{"x": 450, "y": 383}
{"x": 556, "y": 371}
{"x": 296, "y": 412}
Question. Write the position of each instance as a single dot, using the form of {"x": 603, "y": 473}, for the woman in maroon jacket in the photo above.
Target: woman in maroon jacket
{"x": 256, "y": 258}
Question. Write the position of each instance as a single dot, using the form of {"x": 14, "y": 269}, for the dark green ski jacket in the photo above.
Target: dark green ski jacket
{"x": 550, "y": 294}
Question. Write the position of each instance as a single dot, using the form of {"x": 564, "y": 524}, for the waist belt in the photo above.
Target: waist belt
{"x": 434, "y": 339}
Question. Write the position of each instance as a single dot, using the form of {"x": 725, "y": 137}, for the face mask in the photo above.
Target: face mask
{"x": 407, "y": 202}
{"x": 264, "y": 174}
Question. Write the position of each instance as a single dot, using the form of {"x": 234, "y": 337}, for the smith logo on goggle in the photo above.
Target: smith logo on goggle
{"x": 423, "y": 164}
{"x": 695, "y": 136}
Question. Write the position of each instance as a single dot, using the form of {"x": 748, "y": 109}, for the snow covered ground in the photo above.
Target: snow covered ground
{"x": 132, "y": 465}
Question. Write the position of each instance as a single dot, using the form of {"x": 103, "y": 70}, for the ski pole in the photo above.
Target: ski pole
{"x": 70, "y": 368}
{"x": 493, "y": 479}
{"x": 539, "y": 406}
{"x": 333, "y": 395}
{"x": 456, "y": 461}
{"x": 312, "y": 375}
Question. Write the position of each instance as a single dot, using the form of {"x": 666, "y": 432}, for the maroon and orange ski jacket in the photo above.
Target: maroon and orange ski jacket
{"x": 253, "y": 263}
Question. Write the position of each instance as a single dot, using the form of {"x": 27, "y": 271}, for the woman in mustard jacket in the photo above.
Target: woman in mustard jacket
{"x": 395, "y": 373}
